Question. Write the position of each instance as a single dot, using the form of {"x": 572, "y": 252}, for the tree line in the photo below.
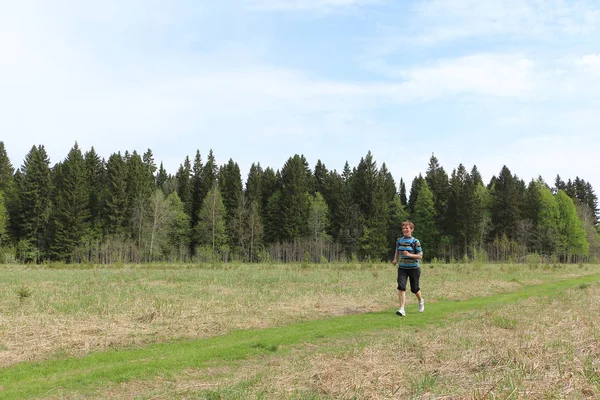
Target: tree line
{"x": 126, "y": 209}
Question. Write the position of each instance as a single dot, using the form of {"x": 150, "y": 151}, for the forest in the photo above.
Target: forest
{"x": 126, "y": 209}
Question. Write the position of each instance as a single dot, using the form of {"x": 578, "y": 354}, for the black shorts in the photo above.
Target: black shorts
{"x": 409, "y": 273}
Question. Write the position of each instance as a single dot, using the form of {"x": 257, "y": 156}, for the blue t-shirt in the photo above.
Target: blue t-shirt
{"x": 412, "y": 245}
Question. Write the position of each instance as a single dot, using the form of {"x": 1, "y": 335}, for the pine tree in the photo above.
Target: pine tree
{"x": 12, "y": 201}
{"x": 507, "y": 202}
{"x": 95, "y": 176}
{"x": 415, "y": 187}
{"x": 253, "y": 191}
{"x": 397, "y": 215}
{"x": 184, "y": 190}
{"x": 161, "y": 179}
{"x": 116, "y": 194}
{"x": 476, "y": 176}
{"x": 140, "y": 186}
{"x": 402, "y": 193}
{"x": 348, "y": 216}
{"x": 210, "y": 173}
{"x": 270, "y": 183}
{"x": 456, "y": 212}
{"x": 273, "y": 220}
{"x": 294, "y": 199}
{"x": 6, "y": 168}
{"x": 71, "y": 213}
{"x": 321, "y": 174}
{"x": 559, "y": 184}
{"x": 34, "y": 195}
{"x": 253, "y": 230}
{"x": 230, "y": 185}
{"x": 3, "y": 223}
{"x": 475, "y": 210}
{"x": 424, "y": 220}
{"x": 363, "y": 185}
{"x": 197, "y": 189}
{"x": 438, "y": 182}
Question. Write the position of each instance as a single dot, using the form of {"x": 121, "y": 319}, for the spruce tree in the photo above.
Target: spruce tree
{"x": 253, "y": 190}
{"x": 183, "y": 185}
{"x": 71, "y": 213}
{"x": 415, "y": 187}
{"x": 197, "y": 189}
{"x": 161, "y": 179}
{"x": 507, "y": 203}
{"x": 140, "y": 186}
{"x": 438, "y": 182}
{"x": 348, "y": 215}
{"x": 3, "y": 222}
{"x": 230, "y": 185}
{"x": 6, "y": 168}
{"x": 294, "y": 199}
{"x": 253, "y": 230}
{"x": 95, "y": 176}
{"x": 34, "y": 195}
{"x": 402, "y": 193}
{"x": 424, "y": 219}
{"x": 116, "y": 194}
{"x": 321, "y": 174}
{"x": 210, "y": 173}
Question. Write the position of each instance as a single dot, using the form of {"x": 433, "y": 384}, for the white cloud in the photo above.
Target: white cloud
{"x": 483, "y": 74}
{"x": 591, "y": 61}
{"x": 321, "y": 7}
{"x": 456, "y": 19}
{"x": 231, "y": 97}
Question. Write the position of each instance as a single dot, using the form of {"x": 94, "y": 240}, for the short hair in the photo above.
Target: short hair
{"x": 410, "y": 224}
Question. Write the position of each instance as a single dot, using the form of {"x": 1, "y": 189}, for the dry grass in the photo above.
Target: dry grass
{"x": 47, "y": 313}
{"x": 525, "y": 350}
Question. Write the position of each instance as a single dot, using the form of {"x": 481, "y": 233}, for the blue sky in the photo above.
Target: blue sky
{"x": 486, "y": 83}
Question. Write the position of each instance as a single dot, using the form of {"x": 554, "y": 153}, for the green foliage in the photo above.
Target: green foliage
{"x": 100, "y": 370}
{"x": 424, "y": 220}
{"x": 34, "y": 188}
{"x": 210, "y": 230}
{"x": 71, "y": 213}
{"x": 116, "y": 194}
{"x": 508, "y": 193}
{"x": 3, "y": 220}
{"x": 570, "y": 229}
{"x": 178, "y": 231}
{"x": 294, "y": 200}
{"x": 230, "y": 184}
{"x": 84, "y": 209}
{"x": 6, "y": 168}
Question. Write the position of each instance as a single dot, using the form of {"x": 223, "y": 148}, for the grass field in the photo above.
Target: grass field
{"x": 299, "y": 332}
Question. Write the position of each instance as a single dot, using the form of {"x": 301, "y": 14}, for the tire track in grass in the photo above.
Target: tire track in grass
{"x": 39, "y": 379}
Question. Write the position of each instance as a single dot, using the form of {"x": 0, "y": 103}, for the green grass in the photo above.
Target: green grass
{"x": 27, "y": 380}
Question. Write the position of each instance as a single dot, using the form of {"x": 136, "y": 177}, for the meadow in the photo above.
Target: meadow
{"x": 299, "y": 331}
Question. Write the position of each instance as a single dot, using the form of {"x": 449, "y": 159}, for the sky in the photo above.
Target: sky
{"x": 485, "y": 83}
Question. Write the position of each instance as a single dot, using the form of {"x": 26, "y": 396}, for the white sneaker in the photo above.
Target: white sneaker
{"x": 401, "y": 312}
{"x": 422, "y": 306}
